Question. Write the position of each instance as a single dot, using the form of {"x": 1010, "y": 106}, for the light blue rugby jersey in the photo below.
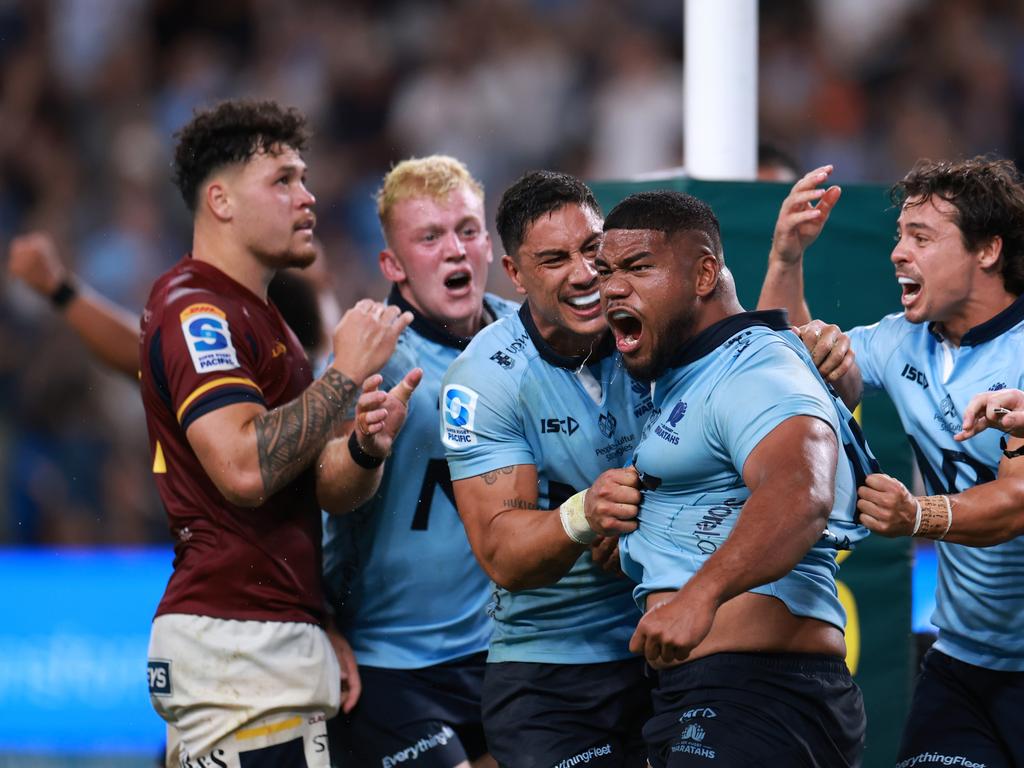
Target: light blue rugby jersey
{"x": 726, "y": 390}
{"x": 979, "y": 603}
{"x": 510, "y": 399}
{"x": 399, "y": 571}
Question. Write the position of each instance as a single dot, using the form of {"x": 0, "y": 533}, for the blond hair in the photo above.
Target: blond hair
{"x": 436, "y": 177}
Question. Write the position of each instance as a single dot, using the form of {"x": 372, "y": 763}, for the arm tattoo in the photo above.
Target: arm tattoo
{"x": 288, "y": 438}
{"x": 518, "y": 504}
{"x": 492, "y": 477}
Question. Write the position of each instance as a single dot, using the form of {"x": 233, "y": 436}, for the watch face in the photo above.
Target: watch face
{"x": 1010, "y": 454}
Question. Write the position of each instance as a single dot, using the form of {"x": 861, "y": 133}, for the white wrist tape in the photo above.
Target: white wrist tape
{"x": 929, "y": 521}
{"x": 574, "y": 519}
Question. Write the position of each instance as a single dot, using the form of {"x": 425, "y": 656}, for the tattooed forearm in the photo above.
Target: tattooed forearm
{"x": 492, "y": 477}
{"x": 290, "y": 437}
{"x": 519, "y": 504}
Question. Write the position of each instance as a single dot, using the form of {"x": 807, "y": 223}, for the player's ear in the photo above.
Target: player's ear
{"x": 708, "y": 272}
{"x": 989, "y": 252}
{"x": 217, "y": 198}
{"x": 512, "y": 270}
{"x": 391, "y": 267}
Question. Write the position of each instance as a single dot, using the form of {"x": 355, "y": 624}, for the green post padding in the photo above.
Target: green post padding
{"x": 848, "y": 281}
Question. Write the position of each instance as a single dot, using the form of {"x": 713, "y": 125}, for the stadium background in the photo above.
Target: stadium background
{"x": 91, "y": 91}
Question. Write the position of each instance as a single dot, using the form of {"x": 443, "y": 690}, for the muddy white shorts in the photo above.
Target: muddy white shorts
{"x": 244, "y": 694}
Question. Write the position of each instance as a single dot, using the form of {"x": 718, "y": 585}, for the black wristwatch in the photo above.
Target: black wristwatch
{"x": 65, "y": 292}
{"x": 1010, "y": 454}
{"x": 361, "y": 457}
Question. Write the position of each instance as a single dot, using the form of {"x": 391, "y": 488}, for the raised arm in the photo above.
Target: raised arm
{"x": 251, "y": 453}
{"x": 521, "y": 546}
{"x": 795, "y": 462}
{"x": 350, "y": 467}
{"x": 801, "y": 219}
{"x": 109, "y": 331}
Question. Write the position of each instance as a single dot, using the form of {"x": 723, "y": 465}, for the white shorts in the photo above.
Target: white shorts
{"x": 229, "y": 687}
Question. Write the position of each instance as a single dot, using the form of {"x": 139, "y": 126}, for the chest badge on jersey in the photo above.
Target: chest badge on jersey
{"x": 208, "y": 338}
{"x": 459, "y": 413}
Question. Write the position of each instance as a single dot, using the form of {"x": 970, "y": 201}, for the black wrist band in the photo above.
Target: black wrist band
{"x": 65, "y": 292}
{"x": 1010, "y": 454}
{"x": 361, "y": 457}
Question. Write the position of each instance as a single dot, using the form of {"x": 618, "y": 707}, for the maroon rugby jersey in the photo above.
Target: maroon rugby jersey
{"x": 207, "y": 342}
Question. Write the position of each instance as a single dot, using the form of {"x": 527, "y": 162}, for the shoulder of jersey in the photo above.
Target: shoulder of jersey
{"x": 502, "y": 307}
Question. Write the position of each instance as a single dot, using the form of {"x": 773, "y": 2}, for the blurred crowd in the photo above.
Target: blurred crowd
{"x": 93, "y": 90}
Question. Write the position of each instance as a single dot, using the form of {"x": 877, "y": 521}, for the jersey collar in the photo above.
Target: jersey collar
{"x": 431, "y": 330}
{"x": 603, "y": 348}
{"x": 991, "y": 328}
{"x": 712, "y": 337}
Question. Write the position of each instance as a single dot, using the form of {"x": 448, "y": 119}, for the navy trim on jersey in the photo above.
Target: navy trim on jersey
{"x": 431, "y": 331}
{"x": 605, "y": 346}
{"x": 218, "y": 398}
{"x": 156, "y": 365}
{"x": 712, "y": 337}
{"x": 991, "y": 328}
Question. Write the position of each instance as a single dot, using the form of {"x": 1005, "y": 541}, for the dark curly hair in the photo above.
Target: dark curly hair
{"x": 988, "y": 195}
{"x": 232, "y": 132}
{"x": 667, "y": 211}
{"x": 534, "y": 194}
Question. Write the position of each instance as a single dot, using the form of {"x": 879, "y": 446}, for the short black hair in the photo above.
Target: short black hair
{"x": 668, "y": 211}
{"x": 232, "y": 132}
{"x": 988, "y": 196}
{"x": 533, "y": 195}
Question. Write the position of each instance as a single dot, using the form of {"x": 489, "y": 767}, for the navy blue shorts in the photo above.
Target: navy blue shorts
{"x": 428, "y": 718}
{"x": 741, "y": 710}
{"x": 553, "y": 715}
{"x": 963, "y": 711}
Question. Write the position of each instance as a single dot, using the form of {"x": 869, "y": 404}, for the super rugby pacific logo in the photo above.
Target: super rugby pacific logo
{"x": 459, "y": 414}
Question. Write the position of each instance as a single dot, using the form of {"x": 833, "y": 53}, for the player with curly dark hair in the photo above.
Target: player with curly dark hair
{"x": 244, "y": 455}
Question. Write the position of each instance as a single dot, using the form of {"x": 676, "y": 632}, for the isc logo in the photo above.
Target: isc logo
{"x": 910, "y": 372}
{"x": 159, "y": 672}
{"x": 568, "y": 425}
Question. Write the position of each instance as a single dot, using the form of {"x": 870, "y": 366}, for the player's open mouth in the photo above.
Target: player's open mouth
{"x": 627, "y": 330}
{"x": 911, "y": 290}
{"x": 306, "y": 225}
{"x": 457, "y": 280}
{"x": 588, "y": 304}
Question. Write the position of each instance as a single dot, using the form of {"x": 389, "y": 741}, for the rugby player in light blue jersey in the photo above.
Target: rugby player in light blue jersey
{"x": 749, "y": 465}
{"x": 959, "y": 261}
{"x": 407, "y": 591}
{"x": 534, "y": 411}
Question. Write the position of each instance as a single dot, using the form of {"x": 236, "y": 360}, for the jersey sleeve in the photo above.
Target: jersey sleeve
{"x": 873, "y": 345}
{"x": 202, "y": 359}
{"x": 760, "y": 391}
{"x": 481, "y": 428}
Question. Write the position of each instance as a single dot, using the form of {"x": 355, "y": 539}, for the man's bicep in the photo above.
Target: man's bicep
{"x": 483, "y": 498}
{"x": 797, "y": 460}
{"x": 224, "y": 442}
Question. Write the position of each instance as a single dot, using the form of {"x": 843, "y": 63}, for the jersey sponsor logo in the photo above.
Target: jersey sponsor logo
{"x": 692, "y": 714}
{"x": 606, "y": 423}
{"x": 459, "y": 413}
{"x": 740, "y": 341}
{"x": 208, "y": 338}
{"x": 583, "y": 758}
{"x": 947, "y": 417}
{"x": 503, "y": 357}
{"x": 159, "y": 674}
{"x": 616, "y": 449}
{"x": 997, "y": 386}
{"x": 566, "y": 426}
{"x": 910, "y": 372}
{"x": 503, "y": 360}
